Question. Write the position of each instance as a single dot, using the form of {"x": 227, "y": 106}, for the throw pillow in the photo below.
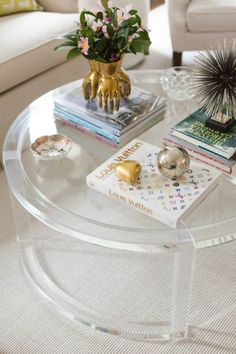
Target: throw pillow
{"x": 8, "y": 7}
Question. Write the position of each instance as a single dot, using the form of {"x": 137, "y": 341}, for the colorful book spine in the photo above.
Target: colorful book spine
{"x": 86, "y": 125}
{"x": 88, "y": 132}
{"x": 202, "y": 144}
{"x": 105, "y": 136}
{"x": 79, "y": 114}
{"x": 209, "y": 158}
{"x": 139, "y": 107}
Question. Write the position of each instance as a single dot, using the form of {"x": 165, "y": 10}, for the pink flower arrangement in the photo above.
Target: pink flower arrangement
{"x": 107, "y": 32}
{"x": 84, "y": 45}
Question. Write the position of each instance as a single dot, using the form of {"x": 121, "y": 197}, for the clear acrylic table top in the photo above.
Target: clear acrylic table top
{"x": 55, "y": 192}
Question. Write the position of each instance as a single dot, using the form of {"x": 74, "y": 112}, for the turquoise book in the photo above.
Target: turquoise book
{"x": 193, "y": 130}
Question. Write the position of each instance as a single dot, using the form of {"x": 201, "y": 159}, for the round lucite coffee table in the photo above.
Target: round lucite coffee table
{"x": 96, "y": 260}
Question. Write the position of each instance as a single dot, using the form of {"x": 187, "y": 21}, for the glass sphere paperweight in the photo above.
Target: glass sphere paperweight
{"x": 176, "y": 82}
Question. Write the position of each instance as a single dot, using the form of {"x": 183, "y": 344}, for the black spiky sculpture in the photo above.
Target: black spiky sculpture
{"x": 214, "y": 84}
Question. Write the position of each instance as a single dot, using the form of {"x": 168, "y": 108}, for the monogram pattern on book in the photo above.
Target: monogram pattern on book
{"x": 175, "y": 195}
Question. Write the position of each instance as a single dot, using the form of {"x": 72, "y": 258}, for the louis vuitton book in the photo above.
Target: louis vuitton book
{"x": 163, "y": 199}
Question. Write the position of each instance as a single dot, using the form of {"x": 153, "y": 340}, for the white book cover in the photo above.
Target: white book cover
{"x": 153, "y": 194}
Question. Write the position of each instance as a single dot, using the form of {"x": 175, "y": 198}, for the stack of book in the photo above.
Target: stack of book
{"x": 213, "y": 147}
{"x": 137, "y": 113}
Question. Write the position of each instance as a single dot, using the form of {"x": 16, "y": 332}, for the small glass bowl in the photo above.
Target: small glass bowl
{"x": 176, "y": 82}
{"x": 51, "y": 147}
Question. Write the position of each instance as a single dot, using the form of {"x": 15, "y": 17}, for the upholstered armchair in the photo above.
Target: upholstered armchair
{"x": 200, "y": 24}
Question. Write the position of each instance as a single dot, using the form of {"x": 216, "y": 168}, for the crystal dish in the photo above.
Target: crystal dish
{"x": 52, "y": 147}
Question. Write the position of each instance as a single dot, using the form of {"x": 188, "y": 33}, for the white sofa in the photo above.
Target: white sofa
{"x": 199, "y": 24}
{"x": 29, "y": 66}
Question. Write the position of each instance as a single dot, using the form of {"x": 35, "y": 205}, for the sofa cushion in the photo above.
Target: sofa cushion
{"x": 59, "y": 6}
{"x": 12, "y": 6}
{"x": 27, "y": 46}
{"x": 211, "y": 16}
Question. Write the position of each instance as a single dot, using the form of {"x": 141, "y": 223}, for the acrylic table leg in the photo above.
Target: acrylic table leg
{"x": 183, "y": 272}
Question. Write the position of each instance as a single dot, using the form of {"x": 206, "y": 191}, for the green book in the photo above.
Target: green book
{"x": 193, "y": 130}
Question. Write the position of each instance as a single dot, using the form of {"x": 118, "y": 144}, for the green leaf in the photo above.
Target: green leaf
{"x": 105, "y": 4}
{"x": 70, "y": 36}
{"x": 114, "y": 18}
{"x": 139, "y": 21}
{"x": 109, "y": 13}
{"x": 73, "y": 53}
{"x": 65, "y": 45}
{"x": 91, "y": 39}
{"x": 83, "y": 32}
{"x": 119, "y": 33}
{"x": 89, "y": 13}
{"x": 144, "y": 35}
{"x": 119, "y": 45}
{"x": 132, "y": 49}
{"x": 133, "y": 12}
{"x": 141, "y": 46}
{"x": 91, "y": 55}
{"x": 99, "y": 16}
{"x": 102, "y": 59}
{"x": 101, "y": 45}
{"x": 130, "y": 22}
{"x": 123, "y": 32}
{"x": 133, "y": 30}
{"x": 82, "y": 19}
{"x": 110, "y": 29}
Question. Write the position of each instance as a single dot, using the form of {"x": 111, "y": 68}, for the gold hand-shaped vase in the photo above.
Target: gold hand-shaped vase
{"x": 90, "y": 82}
{"x": 109, "y": 86}
{"x": 125, "y": 83}
{"x": 108, "y": 82}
